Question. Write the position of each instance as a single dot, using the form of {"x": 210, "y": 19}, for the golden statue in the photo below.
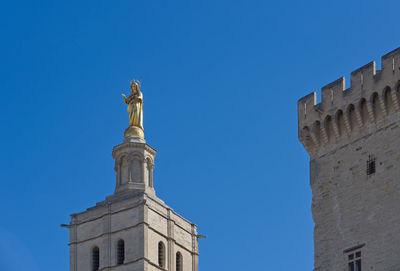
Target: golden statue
{"x": 135, "y": 110}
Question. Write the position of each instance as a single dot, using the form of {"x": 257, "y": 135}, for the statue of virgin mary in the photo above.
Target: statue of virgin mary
{"x": 135, "y": 105}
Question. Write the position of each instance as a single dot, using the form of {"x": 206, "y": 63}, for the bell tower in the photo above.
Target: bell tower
{"x": 132, "y": 229}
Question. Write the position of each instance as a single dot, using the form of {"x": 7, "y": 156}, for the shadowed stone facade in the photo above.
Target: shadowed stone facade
{"x": 135, "y": 216}
{"x": 353, "y": 139}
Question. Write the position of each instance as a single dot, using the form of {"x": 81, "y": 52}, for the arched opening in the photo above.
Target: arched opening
{"x": 387, "y": 98}
{"x": 136, "y": 169}
{"x": 351, "y": 116}
{"x": 150, "y": 167}
{"x": 161, "y": 254}
{"x": 364, "y": 111}
{"x": 124, "y": 170}
{"x": 179, "y": 262}
{"x": 397, "y": 92}
{"x": 328, "y": 128}
{"x": 340, "y": 122}
{"x": 95, "y": 258}
{"x": 376, "y": 106}
{"x": 120, "y": 251}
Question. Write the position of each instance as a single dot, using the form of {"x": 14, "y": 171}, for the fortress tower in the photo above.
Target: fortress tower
{"x": 353, "y": 139}
{"x": 132, "y": 230}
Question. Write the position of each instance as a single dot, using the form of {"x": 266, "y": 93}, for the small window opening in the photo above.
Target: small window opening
{"x": 95, "y": 259}
{"x": 354, "y": 261}
{"x": 371, "y": 165}
{"x": 161, "y": 254}
{"x": 120, "y": 252}
{"x": 179, "y": 261}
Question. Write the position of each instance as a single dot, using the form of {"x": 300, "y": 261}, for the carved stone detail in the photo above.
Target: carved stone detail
{"x": 134, "y": 167}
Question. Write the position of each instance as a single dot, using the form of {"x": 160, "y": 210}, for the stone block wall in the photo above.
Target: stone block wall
{"x": 355, "y": 210}
{"x": 142, "y": 222}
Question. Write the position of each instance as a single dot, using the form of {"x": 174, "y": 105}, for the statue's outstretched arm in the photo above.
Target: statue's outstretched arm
{"x": 126, "y": 99}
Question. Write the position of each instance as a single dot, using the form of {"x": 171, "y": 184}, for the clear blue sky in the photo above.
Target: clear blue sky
{"x": 220, "y": 81}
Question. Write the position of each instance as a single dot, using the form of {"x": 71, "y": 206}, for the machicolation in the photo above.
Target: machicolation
{"x": 345, "y": 115}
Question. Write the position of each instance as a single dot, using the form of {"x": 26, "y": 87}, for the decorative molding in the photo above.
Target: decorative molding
{"x": 133, "y": 145}
{"x": 347, "y": 250}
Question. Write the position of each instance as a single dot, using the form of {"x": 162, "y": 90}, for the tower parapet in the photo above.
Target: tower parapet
{"x": 344, "y": 115}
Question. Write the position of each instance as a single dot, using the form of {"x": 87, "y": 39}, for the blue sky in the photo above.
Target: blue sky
{"x": 220, "y": 81}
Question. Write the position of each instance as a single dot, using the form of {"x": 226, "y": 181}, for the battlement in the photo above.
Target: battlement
{"x": 343, "y": 113}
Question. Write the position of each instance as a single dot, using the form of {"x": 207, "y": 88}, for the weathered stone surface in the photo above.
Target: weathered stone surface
{"x": 351, "y": 208}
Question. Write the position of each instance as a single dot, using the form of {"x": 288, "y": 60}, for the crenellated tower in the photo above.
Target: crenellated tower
{"x": 353, "y": 139}
{"x": 133, "y": 229}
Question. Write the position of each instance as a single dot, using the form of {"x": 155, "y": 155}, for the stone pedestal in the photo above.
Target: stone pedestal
{"x": 134, "y": 133}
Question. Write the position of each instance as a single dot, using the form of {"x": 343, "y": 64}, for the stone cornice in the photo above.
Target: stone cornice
{"x": 172, "y": 210}
{"x": 140, "y": 200}
{"x": 133, "y": 145}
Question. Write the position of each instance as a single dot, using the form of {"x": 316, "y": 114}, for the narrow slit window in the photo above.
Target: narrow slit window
{"x": 371, "y": 167}
{"x": 179, "y": 261}
{"x": 95, "y": 259}
{"x": 161, "y": 254}
{"x": 120, "y": 252}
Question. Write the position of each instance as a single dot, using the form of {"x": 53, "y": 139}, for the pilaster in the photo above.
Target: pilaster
{"x": 171, "y": 241}
{"x": 195, "y": 252}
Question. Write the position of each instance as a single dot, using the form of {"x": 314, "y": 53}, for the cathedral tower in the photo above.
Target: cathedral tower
{"x": 353, "y": 139}
{"x": 132, "y": 229}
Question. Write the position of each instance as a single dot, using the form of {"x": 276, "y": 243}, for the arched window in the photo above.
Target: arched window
{"x": 95, "y": 259}
{"x": 388, "y": 101}
{"x": 179, "y": 261}
{"x": 329, "y": 128}
{"x": 161, "y": 254}
{"x": 340, "y": 122}
{"x": 150, "y": 167}
{"x": 120, "y": 251}
{"x": 364, "y": 112}
{"x": 376, "y": 106}
{"x": 351, "y": 115}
